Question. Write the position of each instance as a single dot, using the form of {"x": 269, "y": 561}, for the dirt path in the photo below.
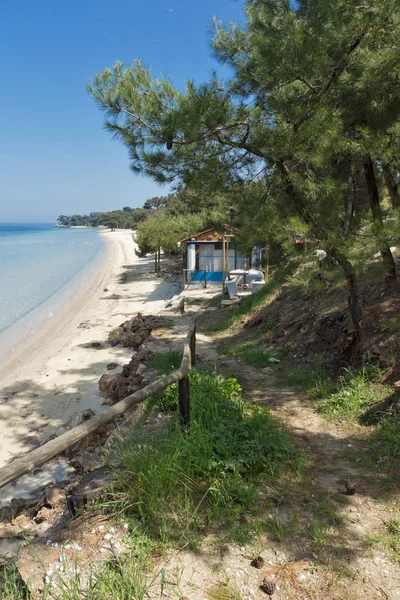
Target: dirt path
{"x": 339, "y": 537}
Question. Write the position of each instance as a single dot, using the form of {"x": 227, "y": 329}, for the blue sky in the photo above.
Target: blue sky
{"x": 55, "y": 156}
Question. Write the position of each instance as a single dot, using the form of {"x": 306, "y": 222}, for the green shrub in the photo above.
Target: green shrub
{"x": 175, "y": 482}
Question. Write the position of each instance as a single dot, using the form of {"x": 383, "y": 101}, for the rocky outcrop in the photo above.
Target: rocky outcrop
{"x": 116, "y": 386}
{"x": 132, "y": 334}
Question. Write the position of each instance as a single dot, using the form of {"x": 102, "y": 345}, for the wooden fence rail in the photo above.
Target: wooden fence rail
{"x": 53, "y": 448}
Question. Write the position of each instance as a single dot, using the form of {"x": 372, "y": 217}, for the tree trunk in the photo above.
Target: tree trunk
{"x": 353, "y": 301}
{"x": 266, "y": 261}
{"x": 376, "y": 211}
{"x": 155, "y": 262}
{"x": 350, "y": 203}
{"x": 391, "y": 185}
{"x": 159, "y": 260}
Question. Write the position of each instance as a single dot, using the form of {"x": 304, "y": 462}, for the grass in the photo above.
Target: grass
{"x": 165, "y": 362}
{"x": 357, "y": 392}
{"x": 11, "y": 585}
{"x": 390, "y": 540}
{"x": 350, "y": 398}
{"x": 227, "y": 320}
{"x": 385, "y": 441}
{"x": 253, "y": 356}
{"x": 223, "y": 591}
{"x": 311, "y": 379}
{"x": 182, "y": 486}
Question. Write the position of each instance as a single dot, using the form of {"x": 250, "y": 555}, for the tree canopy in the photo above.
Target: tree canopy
{"x": 306, "y": 129}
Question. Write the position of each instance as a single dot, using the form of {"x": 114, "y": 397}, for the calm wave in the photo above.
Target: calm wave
{"x": 36, "y": 261}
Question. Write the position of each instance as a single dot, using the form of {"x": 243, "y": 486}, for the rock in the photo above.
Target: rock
{"x": 80, "y": 418}
{"x": 257, "y": 562}
{"x": 96, "y": 437}
{"x": 55, "y": 496}
{"x": 26, "y": 505}
{"x": 114, "y": 335}
{"x": 111, "y": 366}
{"x": 126, "y": 371}
{"x": 31, "y": 570}
{"x": 274, "y": 360}
{"x": 95, "y": 345}
{"x": 92, "y": 486}
{"x": 10, "y": 549}
{"x": 60, "y": 473}
{"x": 6, "y": 514}
{"x": 107, "y": 385}
{"x": 141, "y": 369}
{"x": 89, "y": 460}
{"x": 132, "y": 339}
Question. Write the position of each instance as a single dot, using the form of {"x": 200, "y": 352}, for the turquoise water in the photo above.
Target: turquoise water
{"x": 37, "y": 261}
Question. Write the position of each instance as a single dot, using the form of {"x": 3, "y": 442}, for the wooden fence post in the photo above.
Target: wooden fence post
{"x": 184, "y": 401}
{"x": 193, "y": 347}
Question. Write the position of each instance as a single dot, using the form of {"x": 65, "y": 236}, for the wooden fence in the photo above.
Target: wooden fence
{"x": 54, "y": 447}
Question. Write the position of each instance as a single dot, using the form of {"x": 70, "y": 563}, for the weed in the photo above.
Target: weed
{"x": 120, "y": 578}
{"x": 223, "y": 591}
{"x": 319, "y": 533}
{"x": 277, "y": 530}
{"x": 12, "y": 586}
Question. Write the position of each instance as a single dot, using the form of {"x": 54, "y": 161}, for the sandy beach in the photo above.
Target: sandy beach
{"x": 57, "y": 376}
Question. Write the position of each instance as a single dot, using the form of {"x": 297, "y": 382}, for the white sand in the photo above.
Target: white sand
{"x": 57, "y": 376}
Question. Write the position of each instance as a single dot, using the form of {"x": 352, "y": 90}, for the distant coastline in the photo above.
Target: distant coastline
{"x": 79, "y": 226}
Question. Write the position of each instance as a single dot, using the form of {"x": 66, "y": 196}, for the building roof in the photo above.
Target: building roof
{"x": 208, "y": 235}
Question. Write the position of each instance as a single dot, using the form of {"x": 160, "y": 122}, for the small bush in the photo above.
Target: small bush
{"x": 175, "y": 482}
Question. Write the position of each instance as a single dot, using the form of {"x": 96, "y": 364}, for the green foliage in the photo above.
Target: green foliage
{"x": 92, "y": 220}
{"x": 302, "y": 139}
{"x": 163, "y": 231}
{"x": 356, "y": 393}
{"x": 165, "y": 401}
{"x": 127, "y": 218}
{"x": 385, "y": 441}
{"x": 176, "y": 484}
{"x": 313, "y": 380}
{"x": 12, "y": 586}
{"x": 165, "y": 362}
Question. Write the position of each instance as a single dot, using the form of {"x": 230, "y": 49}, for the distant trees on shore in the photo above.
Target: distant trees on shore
{"x": 127, "y": 218}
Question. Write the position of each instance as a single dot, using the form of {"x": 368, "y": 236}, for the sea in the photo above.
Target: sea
{"x": 38, "y": 262}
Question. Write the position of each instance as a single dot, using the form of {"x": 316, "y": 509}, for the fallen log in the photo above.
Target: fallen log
{"x": 53, "y": 448}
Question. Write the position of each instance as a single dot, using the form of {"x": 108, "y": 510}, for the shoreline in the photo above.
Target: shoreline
{"x": 56, "y": 376}
{"x": 20, "y": 336}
